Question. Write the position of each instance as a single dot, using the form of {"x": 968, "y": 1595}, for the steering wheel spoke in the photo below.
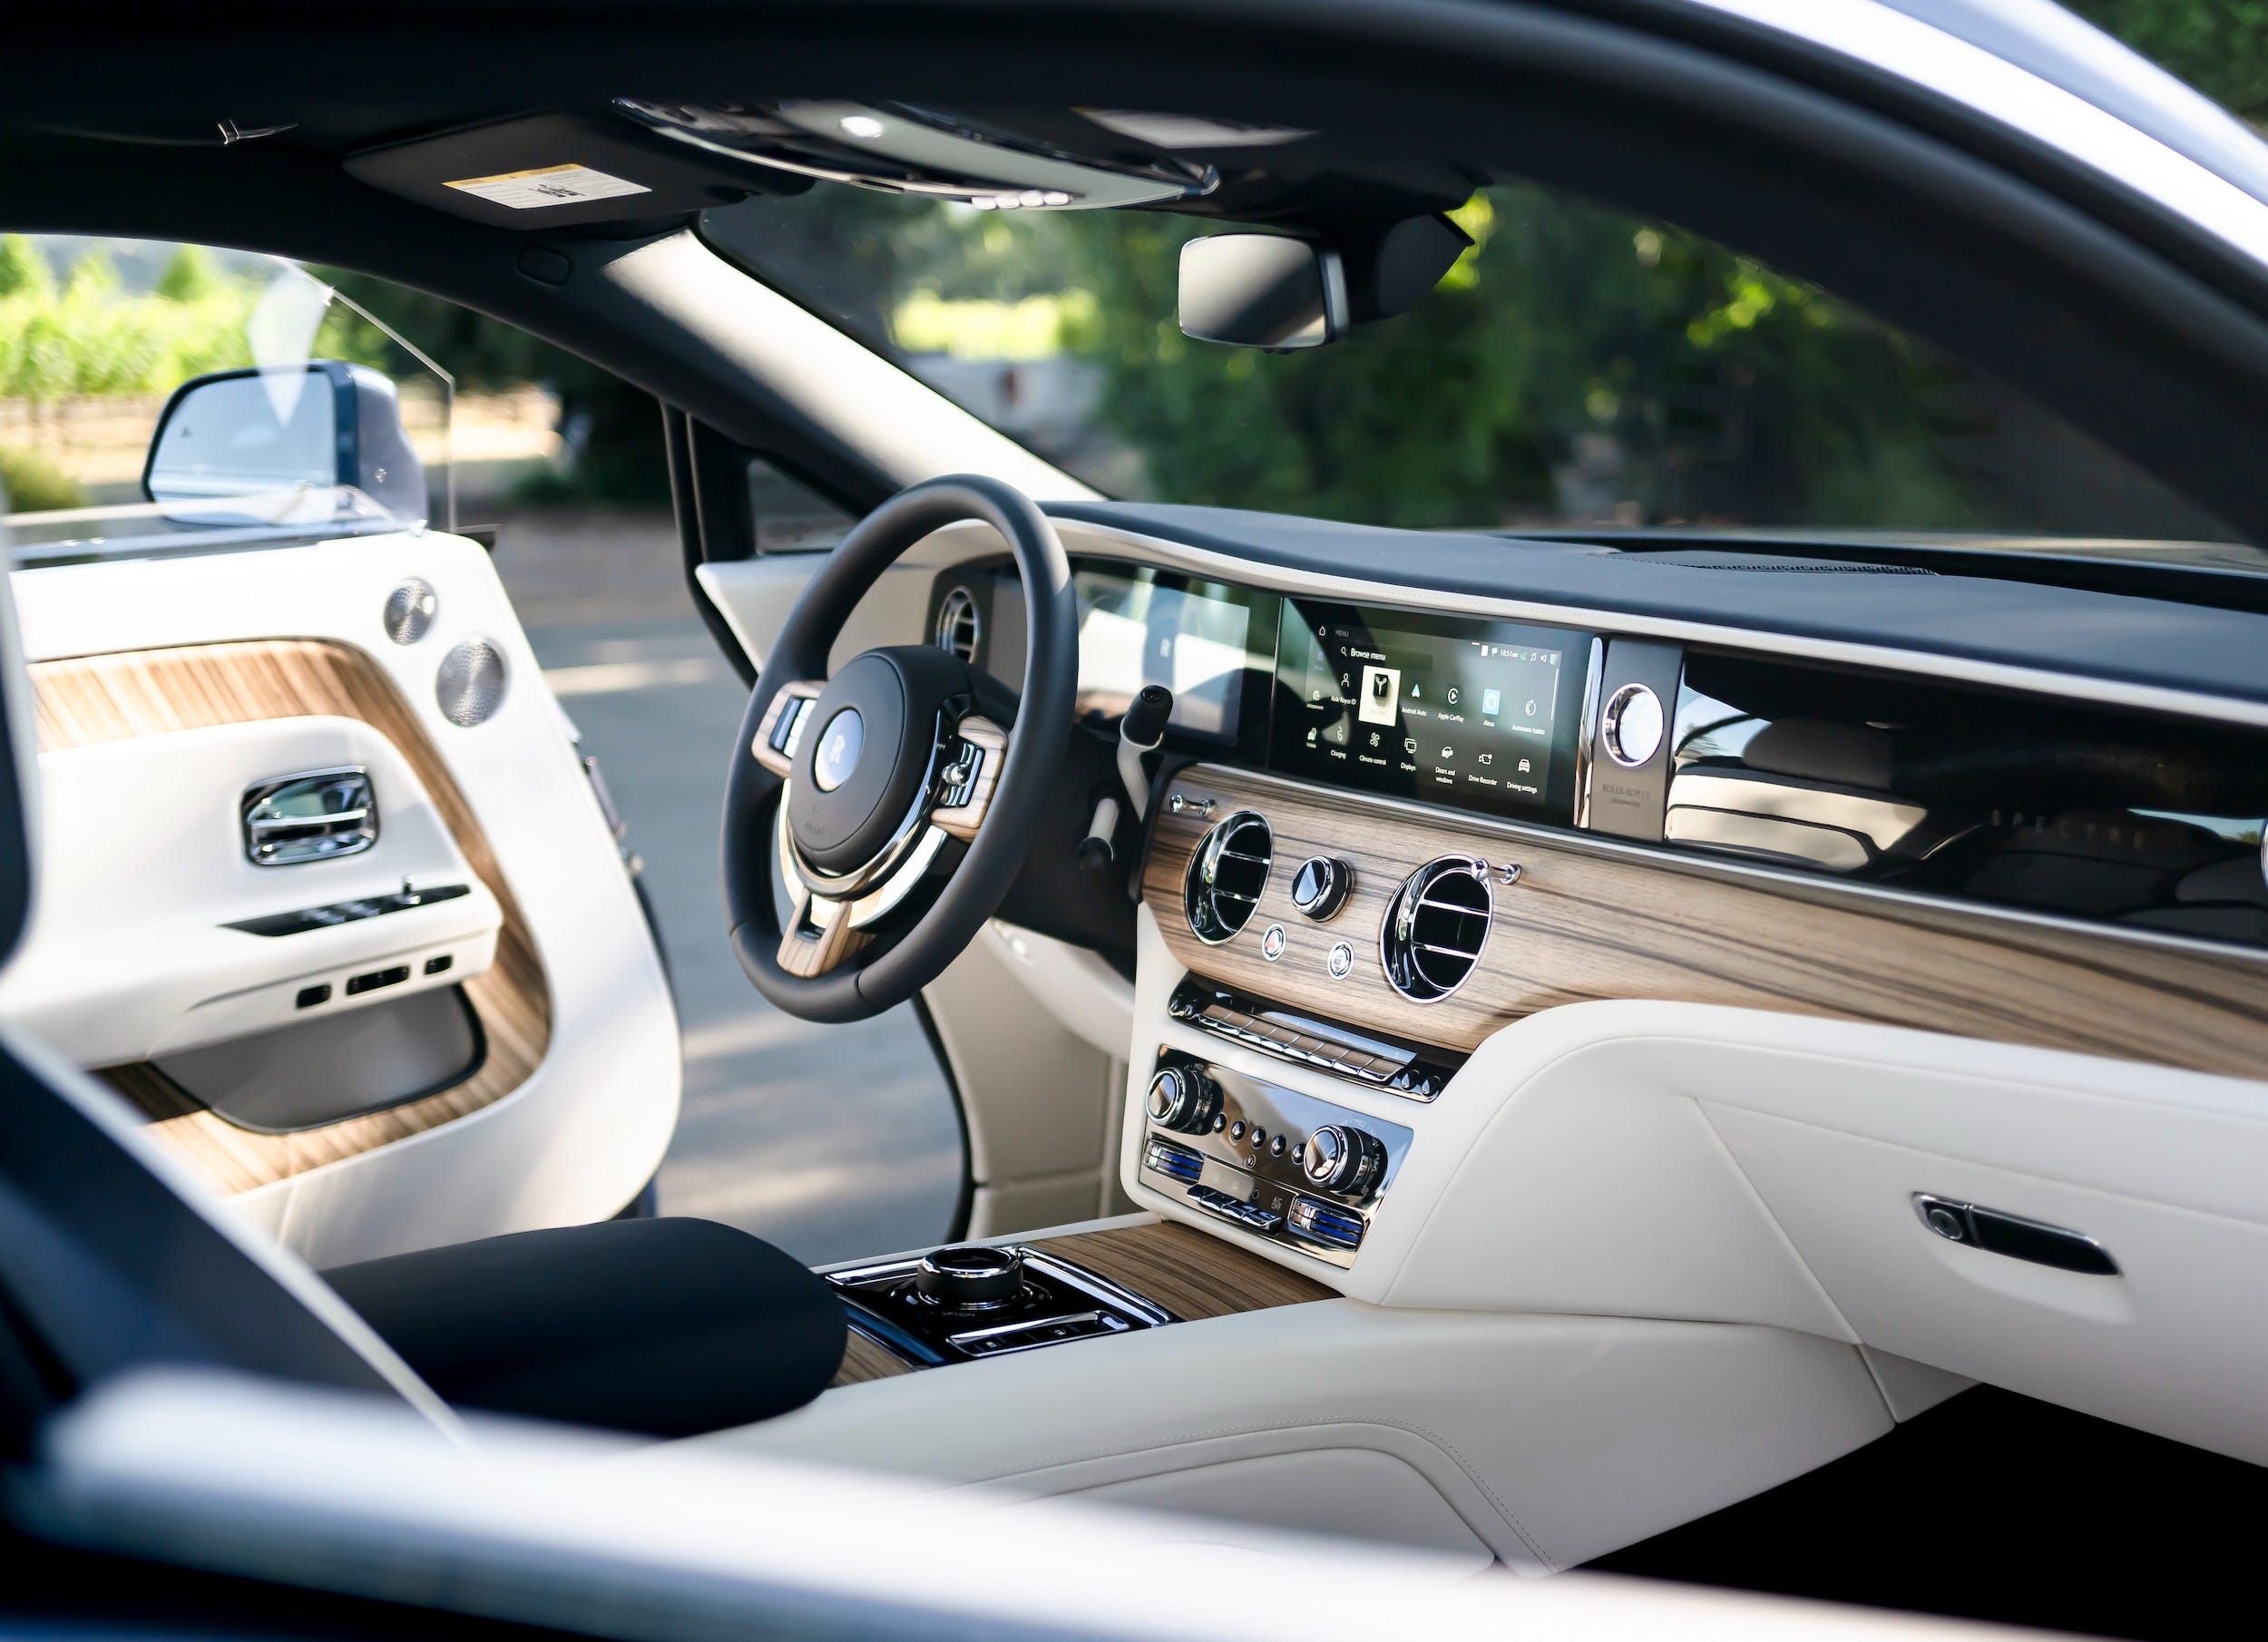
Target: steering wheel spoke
{"x": 966, "y": 784}
{"x": 819, "y": 936}
{"x": 781, "y": 728}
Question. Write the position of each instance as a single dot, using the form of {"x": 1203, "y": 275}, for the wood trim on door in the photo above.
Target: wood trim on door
{"x": 87, "y": 700}
{"x": 1583, "y": 924}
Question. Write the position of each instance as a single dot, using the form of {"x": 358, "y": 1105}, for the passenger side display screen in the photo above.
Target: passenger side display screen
{"x": 1479, "y": 714}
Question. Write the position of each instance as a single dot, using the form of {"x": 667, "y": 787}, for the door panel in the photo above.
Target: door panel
{"x": 168, "y": 688}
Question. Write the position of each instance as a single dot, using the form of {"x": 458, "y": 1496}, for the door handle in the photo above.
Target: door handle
{"x": 317, "y": 814}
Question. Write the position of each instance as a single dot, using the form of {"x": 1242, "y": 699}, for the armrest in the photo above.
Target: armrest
{"x": 668, "y": 1327}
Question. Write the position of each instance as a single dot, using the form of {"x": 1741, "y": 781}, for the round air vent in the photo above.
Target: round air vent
{"x": 1436, "y": 927}
{"x": 1226, "y": 875}
{"x": 958, "y": 625}
{"x": 470, "y": 686}
{"x": 410, "y": 610}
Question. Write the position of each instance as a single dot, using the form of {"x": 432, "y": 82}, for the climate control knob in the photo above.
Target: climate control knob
{"x": 1340, "y": 1158}
{"x": 1319, "y": 887}
{"x": 1183, "y": 1098}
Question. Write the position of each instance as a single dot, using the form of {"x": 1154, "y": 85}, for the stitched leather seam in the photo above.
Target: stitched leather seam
{"x": 1439, "y": 1441}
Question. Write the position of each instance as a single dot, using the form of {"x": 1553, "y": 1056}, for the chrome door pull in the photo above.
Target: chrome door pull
{"x": 317, "y": 814}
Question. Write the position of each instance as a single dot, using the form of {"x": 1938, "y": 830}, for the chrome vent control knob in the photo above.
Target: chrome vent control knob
{"x": 1319, "y": 887}
{"x": 1183, "y": 1099}
{"x": 970, "y": 1275}
{"x": 1340, "y": 1158}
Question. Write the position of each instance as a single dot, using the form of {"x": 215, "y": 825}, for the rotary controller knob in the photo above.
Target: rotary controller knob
{"x": 1319, "y": 887}
{"x": 1182, "y": 1098}
{"x": 1340, "y": 1158}
{"x": 970, "y": 1275}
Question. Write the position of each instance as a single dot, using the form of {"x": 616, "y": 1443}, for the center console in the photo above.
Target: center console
{"x": 1283, "y": 1165}
{"x": 958, "y": 1304}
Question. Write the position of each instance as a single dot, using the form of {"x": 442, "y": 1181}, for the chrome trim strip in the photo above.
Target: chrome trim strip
{"x": 1594, "y": 677}
{"x": 969, "y": 1336}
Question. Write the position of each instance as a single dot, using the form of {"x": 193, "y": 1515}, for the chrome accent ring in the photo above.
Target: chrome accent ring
{"x": 1204, "y": 867}
{"x": 1412, "y": 889}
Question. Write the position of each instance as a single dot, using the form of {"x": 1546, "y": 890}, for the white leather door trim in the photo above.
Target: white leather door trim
{"x": 585, "y": 1131}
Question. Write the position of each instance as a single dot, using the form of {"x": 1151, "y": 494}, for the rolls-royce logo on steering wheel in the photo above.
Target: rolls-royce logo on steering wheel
{"x": 839, "y": 746}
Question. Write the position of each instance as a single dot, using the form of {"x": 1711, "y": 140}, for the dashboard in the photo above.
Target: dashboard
{"x": 1960, "y": 792}
{"x": 1840, "y": 918}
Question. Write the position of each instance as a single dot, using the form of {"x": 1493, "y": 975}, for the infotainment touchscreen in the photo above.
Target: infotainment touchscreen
{"x": 1209, "y": 643}
{"x": 1481, "y": 714}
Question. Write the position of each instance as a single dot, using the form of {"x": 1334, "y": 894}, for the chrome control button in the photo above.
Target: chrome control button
{"x": 1319, "y": 887}
{"x": 973, "y": 1275}
{"x": 1632, "y": 725}
{"x": 1340, "y": 1158}
{"x": 1183, "y": 1098}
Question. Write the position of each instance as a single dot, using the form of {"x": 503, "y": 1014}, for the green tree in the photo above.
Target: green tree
{"x": 23, "y": 271}
{"x": 190, "y": 276}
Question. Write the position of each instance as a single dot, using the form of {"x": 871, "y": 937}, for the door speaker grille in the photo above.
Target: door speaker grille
{"x": 1226, "y": 875}
{"x": 1436, "y": 927}
{"x": 470, "y": 686}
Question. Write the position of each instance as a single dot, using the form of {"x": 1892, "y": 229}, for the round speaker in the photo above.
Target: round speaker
{"x": 470, "y": 686}
{"x": 410, "y": 610}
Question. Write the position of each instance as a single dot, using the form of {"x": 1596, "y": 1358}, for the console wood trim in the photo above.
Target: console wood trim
{"x": 1192, "y": 1275}
{"x": 1582, "y": 925}
{"x": 88, "y": 700}
{"x": 864, "y": 1360}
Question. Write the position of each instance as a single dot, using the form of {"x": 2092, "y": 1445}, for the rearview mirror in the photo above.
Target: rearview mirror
{"x": 1261, "y": 290}
{"x": 301, "y": 444}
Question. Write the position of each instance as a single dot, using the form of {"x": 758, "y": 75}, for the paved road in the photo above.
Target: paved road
{"x": 832, "y": 1142}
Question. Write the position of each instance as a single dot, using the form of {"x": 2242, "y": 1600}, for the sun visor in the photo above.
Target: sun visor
{"x": 559, "y": 170}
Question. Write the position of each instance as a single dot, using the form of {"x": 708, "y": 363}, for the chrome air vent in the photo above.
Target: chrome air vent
{"x": 1436, "y": 927}
{"x": 958, "y": 625}
{"x": 1226, "y": 875}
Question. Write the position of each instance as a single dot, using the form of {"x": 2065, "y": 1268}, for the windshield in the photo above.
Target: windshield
{"x": 1575, "y": 369}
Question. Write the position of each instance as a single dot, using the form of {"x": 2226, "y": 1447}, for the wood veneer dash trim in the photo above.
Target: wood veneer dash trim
{"x": 1582, "y": 924}
{"x": 88, "y": 700}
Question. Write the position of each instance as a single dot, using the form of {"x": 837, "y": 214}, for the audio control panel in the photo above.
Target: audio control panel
{"x": 1280, "y": 1164}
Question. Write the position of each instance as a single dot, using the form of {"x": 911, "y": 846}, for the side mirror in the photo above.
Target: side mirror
{"x": 297, "y": 446}
{"x": 1261, "y": 290}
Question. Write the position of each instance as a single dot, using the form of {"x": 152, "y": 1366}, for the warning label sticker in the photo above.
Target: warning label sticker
{"x": 549, "y": 185}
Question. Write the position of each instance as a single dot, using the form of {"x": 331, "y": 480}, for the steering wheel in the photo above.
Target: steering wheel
{"x": 877, "y": 774}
